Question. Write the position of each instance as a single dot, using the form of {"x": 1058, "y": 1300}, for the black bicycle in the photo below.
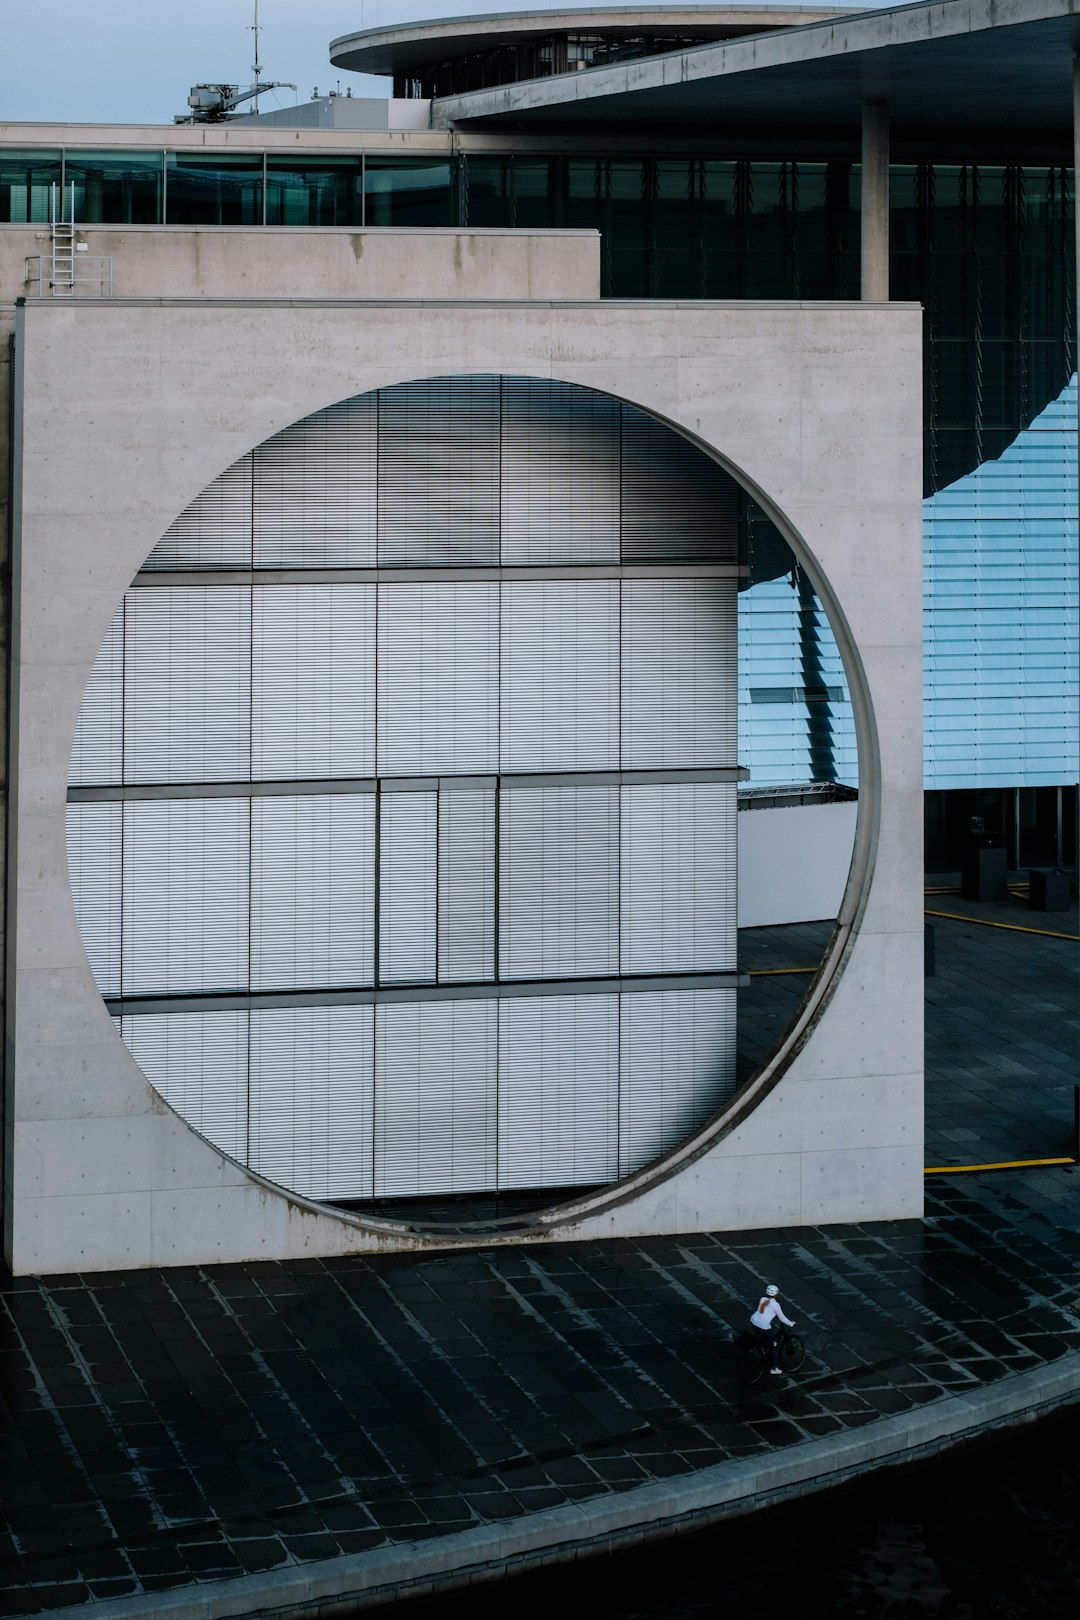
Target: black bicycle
{"x": 753, "y": 1357}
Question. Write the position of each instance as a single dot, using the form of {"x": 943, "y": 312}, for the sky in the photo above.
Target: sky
{"x": 133, "y": 61}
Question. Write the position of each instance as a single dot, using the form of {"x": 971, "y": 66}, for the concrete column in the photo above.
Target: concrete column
{"x": 875, "y": 201}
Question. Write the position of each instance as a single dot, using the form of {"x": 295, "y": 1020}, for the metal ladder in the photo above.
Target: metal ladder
{"x": 62, "y": 278}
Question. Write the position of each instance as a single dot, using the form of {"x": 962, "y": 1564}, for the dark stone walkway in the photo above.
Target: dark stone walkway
{"x": 167, "y": 1428}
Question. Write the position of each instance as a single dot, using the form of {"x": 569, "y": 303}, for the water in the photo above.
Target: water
{"x": 988, "y": 1533}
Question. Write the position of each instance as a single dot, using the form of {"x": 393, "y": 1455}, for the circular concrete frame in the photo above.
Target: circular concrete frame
{"x": 823, "y": 985}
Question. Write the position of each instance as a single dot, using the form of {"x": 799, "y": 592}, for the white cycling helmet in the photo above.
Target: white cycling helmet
{"x": 772, "y": 1290}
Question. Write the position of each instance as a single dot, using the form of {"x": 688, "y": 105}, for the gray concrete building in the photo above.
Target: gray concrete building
{"x": 436, "y": 532}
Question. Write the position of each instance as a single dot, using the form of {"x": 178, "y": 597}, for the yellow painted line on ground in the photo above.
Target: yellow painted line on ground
{"x": 984, "y": 922}
{"x": 1006, "y": 1164}
{"x": 761, "y": 973}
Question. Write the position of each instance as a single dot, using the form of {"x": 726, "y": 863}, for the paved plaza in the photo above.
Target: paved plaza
{"x": 168, "y": 1431}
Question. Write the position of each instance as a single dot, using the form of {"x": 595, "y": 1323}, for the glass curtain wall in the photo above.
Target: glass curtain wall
{"x": 417, "y": 875}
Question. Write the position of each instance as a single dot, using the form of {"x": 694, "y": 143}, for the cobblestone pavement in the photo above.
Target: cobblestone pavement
{"x": 165, "y": 1428}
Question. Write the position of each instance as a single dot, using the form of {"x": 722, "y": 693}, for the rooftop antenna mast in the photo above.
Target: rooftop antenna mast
{"x": 256, "y": 30}
{"x": 213, "y": 103}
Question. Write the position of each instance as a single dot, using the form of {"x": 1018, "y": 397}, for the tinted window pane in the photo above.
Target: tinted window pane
{"x": 25, "y": 181}
{"x": 115, "y": 188}
{"x": 408, "y": 191}
{"x": 220, "y": 190}
{"x": 326, "y": 191}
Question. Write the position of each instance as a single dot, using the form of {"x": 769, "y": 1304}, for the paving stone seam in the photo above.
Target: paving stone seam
{"x": 659, "y": 1508}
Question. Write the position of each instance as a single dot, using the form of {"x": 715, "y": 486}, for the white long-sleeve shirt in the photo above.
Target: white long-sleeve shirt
{"x": 767, "y": 1309}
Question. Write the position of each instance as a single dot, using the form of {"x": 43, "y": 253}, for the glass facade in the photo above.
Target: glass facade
{"x": 408, "y": 191}
{"x": 27, "y": 180}
{"x": 225, "y": 189}
{"x": 322, "y": 191}
{"x": 986, "y": 248}
{"x": 417, "y": 875}
{"x": 113, "y": 188}
{"x": 536, "y": 59}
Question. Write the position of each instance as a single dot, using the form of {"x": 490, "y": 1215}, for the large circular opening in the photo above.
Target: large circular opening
{"x": 404, "y": 793}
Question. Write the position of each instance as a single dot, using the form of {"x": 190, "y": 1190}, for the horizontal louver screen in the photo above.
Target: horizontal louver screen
{"x": 313, "y": 676}
{"x": 679, "y": 706}
{"x": 95, "y": 865}
{"x": 313, "y": 891}
{"x": 187, "y": 685}
{"x": 435, "y": 1097}
{"x": 677, "y": 1066}
{"x": 353, "y": 801}
{"x": 185, "y": 896}
{"x": 408, "y": 885}
{"x": 678, "y": 888}
{"x": 439, "y": 472}
{"x": 466, "y": 886}
{"x": 677, "y": 505}
{"x": 314, "y": 490}
{"x": 560, "y": 676}
{"x": 199, "y": 1063}
{"x": 558, "y": 1091}
{"x": 438, "y": 679}
{"x": 312, "y": 1099}
{"x": 97, "y": 753}
{"x": 559, "y": 883}
{"x": 215, "y": 530}
{"x": 560, "y": 474}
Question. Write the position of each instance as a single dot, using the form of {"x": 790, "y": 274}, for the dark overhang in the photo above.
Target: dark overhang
{"x": 975, "y": 68}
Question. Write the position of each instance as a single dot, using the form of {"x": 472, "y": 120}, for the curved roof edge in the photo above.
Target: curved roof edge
{"x": 403, "y": 46}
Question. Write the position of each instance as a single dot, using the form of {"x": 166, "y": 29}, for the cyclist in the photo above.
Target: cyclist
{"x": 764, "y": 1321}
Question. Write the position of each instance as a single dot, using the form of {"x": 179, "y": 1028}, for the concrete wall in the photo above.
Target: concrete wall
{"x": 223, "y": 261}
{"x": 126, "y": 410}
{"x": 794, "y": 862}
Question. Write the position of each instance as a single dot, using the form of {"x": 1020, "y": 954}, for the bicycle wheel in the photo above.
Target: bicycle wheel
{"x": 792, "y": 1352}
{"x": 751, "y": 1363}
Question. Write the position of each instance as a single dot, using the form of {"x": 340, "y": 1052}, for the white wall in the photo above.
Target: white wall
{"x": 794, "y": 862}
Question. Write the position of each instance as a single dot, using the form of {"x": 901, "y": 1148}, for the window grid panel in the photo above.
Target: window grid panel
{"x": 676, "y": 1068}
{"x": 97, "y": 752}
{"x": 439, "y": 472}
{"x": 408, "y": 887}
{"x": 678, "y": 885}
{"x": 95, "y": 866}
{"x": 187, "y": 684}
{"x": 313, "y": 681}
{"x": 215, "y": 530}
{"x": 438, "y": 664}
{"x": 435, "y": 1097}
{"x": 559, "y": 699}
{"x": 276, "y": 683}
{"x": 185, "y": 896}
{"x": 313, "y": 892}
{"x": 560, "y": 473}
{"x": 199, "y": 1064}
{"x": 559, "y": 883}
{"x": 677, "y": 504}
{"x": 558, "y": 1091}
{"x": 315, "y": 490}
{"x": 466, "y": 901}
{"x": 312, "y": 1100}
{"x": 679, "y": 676}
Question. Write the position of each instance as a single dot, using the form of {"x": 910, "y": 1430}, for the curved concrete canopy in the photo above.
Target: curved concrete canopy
{"x": 966, "y": 66}
{"x": 403, "y": 46}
